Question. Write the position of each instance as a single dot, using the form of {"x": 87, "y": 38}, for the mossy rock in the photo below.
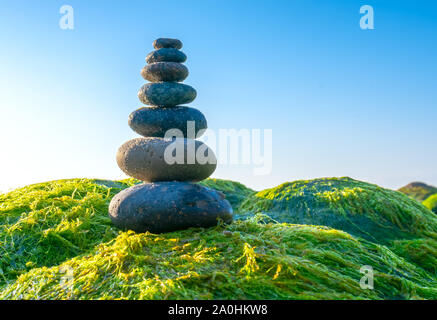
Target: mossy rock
{"x": 246, "y": 260}
{"x": 46, "y": 223}
{"x": 359, "y": 208}
{"x": 52, "y": 230}
{"x": 418, "y": 190}
{"x": 431, "y": 203}
{"x": 421, "y": 252}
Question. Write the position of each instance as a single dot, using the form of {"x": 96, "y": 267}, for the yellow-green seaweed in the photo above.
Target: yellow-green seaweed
{"x": 57, "y": 242}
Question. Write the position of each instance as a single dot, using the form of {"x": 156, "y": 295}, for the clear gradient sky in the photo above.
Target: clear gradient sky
{"x": 341, "y": 101}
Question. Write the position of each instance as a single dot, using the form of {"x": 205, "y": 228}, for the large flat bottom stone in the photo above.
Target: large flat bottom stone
{"x": 168, "y": 206}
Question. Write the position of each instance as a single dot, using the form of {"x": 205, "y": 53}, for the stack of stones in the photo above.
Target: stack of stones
{"x": 169, "y": 199}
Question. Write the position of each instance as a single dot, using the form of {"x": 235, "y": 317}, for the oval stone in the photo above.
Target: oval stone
{"x": 158, "y": 159}
{"x": 156, "y": 121}
{"x": 165, "y": 71}
{"x": 167, "y": 43}
{"x": 166, "y": 54}
{"x": 166, "y": 94}
{"x": 168, "y": 206}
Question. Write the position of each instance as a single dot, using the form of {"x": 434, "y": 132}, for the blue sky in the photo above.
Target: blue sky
{"x": 341, "y": 101}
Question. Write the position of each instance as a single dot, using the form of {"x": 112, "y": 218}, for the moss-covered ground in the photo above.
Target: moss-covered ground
{"x": 359, "y": 208}
{"x": 57, "y": 242}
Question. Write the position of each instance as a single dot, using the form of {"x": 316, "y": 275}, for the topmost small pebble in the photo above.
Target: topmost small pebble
{"x": 167, "y": 43}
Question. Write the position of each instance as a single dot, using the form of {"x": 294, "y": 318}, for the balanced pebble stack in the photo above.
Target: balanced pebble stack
{"x": 169, "y": 199}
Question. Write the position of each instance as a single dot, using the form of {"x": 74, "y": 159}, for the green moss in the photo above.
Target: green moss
{"x": 49, "y": 229}
{"x": 248, "y": 261}
{"x": 360, "y": 208}
{"x": 47, "y": 223}
{"x": 431, "y": 203}
{"x": 418, "y": 190}
{"x": 422, "y": 252}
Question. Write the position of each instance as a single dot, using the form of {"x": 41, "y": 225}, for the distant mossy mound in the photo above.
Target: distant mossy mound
{"x": 57, "y": 242}
{"x": 359, "y": 208}
{"x": 431, "y": 203}
{"x": 418, "y": 190}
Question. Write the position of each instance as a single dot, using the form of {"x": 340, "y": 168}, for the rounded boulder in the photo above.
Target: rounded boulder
{"x": 166, "y": 94}
{"x": 156, "y": 121}
{"x": 167, "y": 43}
{"x": 168, "y": 206}
{"x": 166, "y": 55}
{"x": 158, "y": 159}
{"x": 164, "y": 71}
